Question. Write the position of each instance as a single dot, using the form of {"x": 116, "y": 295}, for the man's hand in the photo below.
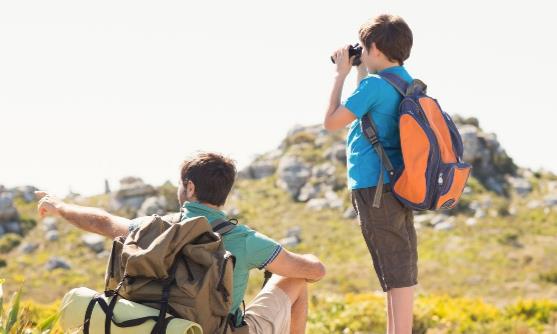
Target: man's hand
{"x": 343, "y": 61}
{"x": 48, "y": 205}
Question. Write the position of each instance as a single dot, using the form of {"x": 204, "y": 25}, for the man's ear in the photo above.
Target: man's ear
{"x": 190, "y": 189}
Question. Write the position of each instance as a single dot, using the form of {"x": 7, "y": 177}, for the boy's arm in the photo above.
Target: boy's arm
{"x": 89, "y": 219}
{"x": 288, "y": 264}
{"x": 337, "y": 116}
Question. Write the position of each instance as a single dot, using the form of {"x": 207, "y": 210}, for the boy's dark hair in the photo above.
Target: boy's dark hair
{"x": 391, "y": 35}
{"x": 212, "y": 174}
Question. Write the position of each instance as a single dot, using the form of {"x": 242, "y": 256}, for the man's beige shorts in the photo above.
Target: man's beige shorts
{"x": 269, "y": 312}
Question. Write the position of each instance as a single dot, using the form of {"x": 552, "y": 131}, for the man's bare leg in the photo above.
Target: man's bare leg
{"x": 296, "y": 290}
{"x": 402, "y": 304}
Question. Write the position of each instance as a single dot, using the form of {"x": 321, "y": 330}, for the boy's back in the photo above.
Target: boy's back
{"x": 376, "y": 96}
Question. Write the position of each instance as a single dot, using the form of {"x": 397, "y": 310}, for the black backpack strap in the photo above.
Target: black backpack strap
{"x": 224, "y": 226}
{"x": 396, "y": 81}
{"x": 370, "y": 131}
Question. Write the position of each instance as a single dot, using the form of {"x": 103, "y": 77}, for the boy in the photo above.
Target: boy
{"x": 388, "y": 230}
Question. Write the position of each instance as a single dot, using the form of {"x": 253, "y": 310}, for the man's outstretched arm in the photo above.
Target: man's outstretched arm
{"x": 86, "y": 218}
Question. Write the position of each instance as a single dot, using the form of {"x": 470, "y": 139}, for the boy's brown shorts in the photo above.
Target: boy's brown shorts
{"x": 390, "y": 237}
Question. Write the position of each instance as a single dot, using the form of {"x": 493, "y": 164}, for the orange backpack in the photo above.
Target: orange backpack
{"x": 434, "y": 175}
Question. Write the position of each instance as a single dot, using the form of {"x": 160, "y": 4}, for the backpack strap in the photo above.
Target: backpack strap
{"x": 370, "y": 131}
{"x": 396, "y": 81}
{"x": 223, "y": 226}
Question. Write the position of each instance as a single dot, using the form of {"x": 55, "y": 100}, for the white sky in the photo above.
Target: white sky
{"x": 104, "y": 89}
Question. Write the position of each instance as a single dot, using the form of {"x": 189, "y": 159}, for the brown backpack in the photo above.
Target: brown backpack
{"x": 178, "y": 267}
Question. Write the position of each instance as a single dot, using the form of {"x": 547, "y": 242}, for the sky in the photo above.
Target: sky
{"x": 95, "y": 90}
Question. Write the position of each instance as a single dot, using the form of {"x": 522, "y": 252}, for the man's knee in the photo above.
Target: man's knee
{"x": 294, "y": 288}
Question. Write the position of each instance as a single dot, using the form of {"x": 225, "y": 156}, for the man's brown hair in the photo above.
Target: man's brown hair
{"x": 391, "y": 35}
{"x": 212, "y": 174}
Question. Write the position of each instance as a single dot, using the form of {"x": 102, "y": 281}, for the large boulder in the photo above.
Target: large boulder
{"x": 292, "y": 174}
{"x": 132, "y": 193}
{"x": 94, "y": 242}
{"x": 491, "y": 164}
{"x": 153, "y": 205}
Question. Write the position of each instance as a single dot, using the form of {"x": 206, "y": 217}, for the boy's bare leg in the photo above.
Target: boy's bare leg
{"x": 390, "y": 319}
{"x": 402, "y": 303}
{"x": 296, "y": 289}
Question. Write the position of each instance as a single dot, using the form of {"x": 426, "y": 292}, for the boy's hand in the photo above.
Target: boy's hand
{"x": 342, "y": 61}
{"x": 48, "y": 204}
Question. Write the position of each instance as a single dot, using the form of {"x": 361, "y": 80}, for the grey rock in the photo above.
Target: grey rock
{"x": 308, "y": 192}
{"x": 57, "y": 263}
{"x": 6, "y": 200}
{"x": 324, "y": 171}
{"x": 350, "y": 213}
{"x": 471, "y": 221}
{"x": 94, "y": 242}
{"x": 337, "y": 153}
{"x": 290, "y": 242}
{"x": 12, "y": 227}
{"x": 2, "y": 230}
{"x": 260, "y": 169}
{"x": 438, "y": 219}
{"x": 49, "y": 224}
{"x": 153, "y": 205}
{"x": 550, "y": 201}
{"x": 317, "y": 203}
{"x": 103, "y": 255}
{"x": 132, "y": 193}
{"x": 28, "y": 248}
{"x": 9, "y": 214}
{"x": 334, "y": 201}
{"x": 444, "y": 226}
{"x": 295, "y": 231}
{"x": 520, "y": 185}
{"x": 292, "y": 174}
{"x": 52, "y": 235}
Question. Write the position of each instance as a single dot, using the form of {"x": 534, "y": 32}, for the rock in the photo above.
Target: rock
{"x": 520, "y": 185}
{"x": 444, "y": 226}
{"x": 260, "y": 169}
{"x": 27, "y": 193}
{"x": 289, "y": 242}
{"x": 336, "y": 153}
{"x": 103, "y": 255}
{"x": 550, "y": 201}
{"x": 471, "y": 221}
{"x": 438, "y": 219}
{"x": 94, "y": 242}
{"x": 317, "y": 203}
{"x": 28, "y": 248}
{"x": 292, "y": 174}
{"x": 132, "y": 193}
{"x": 56, "y": 263}
{"x": 12, "y": 227}
{"x": 334, "y": 201}
{"x": 232, "y": 212}
{"x": 50, "y": 224}
{"x": 52, "y": 235}
{"x": 6, "y": 201}
{"x": 350, "y": 213}
{"x": 480, "y": 213}
{"x": 2, "y": 230}
{"x": 153, "y": 205}
{"x": 9, "y": 214}
{"x": 308, "y": 192}
{"x": 295, "y": 231}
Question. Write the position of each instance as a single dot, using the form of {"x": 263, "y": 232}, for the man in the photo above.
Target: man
{"x": 205, "y": 182}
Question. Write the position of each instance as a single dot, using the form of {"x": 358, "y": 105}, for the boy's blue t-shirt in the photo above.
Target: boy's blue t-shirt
{"x": 377, "y": 96}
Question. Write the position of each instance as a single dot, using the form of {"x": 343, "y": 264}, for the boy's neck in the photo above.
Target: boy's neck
{"x": 386, "y": 65}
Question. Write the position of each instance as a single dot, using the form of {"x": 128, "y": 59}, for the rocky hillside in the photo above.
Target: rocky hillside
{"x": 495, "y": 249}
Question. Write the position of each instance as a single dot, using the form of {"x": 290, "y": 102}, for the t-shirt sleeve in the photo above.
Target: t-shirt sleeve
{"x": 364, "y": 98}
{"x": 261, "y": 250}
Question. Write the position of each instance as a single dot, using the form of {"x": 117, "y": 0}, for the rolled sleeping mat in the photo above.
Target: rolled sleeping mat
{"x": 75, "y": 303}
